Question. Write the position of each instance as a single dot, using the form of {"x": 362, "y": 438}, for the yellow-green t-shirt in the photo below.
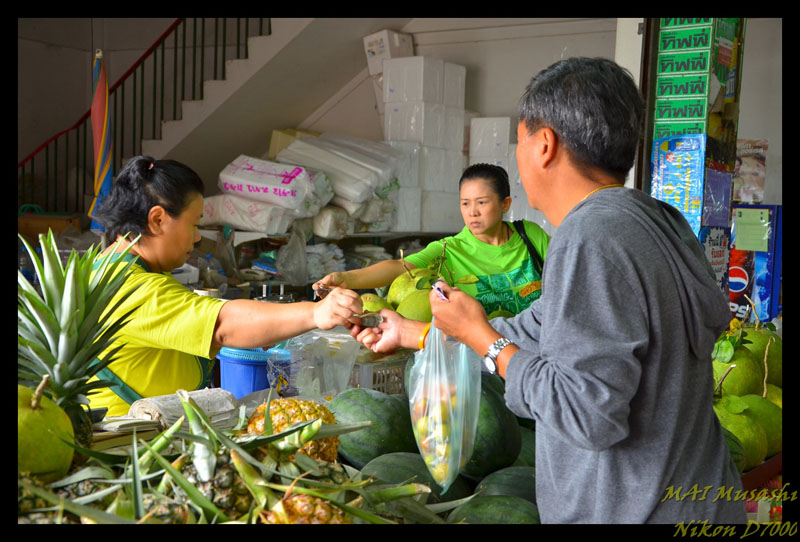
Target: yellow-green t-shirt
{"x": 506, "y": 275}
{"x": 167, "y": 340}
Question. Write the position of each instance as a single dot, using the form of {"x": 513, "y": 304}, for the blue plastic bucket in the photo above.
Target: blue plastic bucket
{"x": 245, "y": 370}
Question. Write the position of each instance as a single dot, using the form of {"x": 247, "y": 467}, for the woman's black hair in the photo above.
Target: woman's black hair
{"x": 496, "y": 176}
{"x": 142, "y": 184}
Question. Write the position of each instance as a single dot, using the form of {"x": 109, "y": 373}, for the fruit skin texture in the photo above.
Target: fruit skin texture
{"x": 404, "y": 284}
{"x": 495, "y": 509}
{"x": 756, "y": 339}
{"x": 769, "y": 415}
{"x": 746, "y": 378}
{"x": 748, "y": 431}
{"x": 775, "y": 394}
{"x": 527, "y": 453}
{"x": 374, "y": 303}
{"x": 39, "y": 449}
{"x": 511, "y": 481}
{"x": 416, "y": 306}
{"x": 390, "y": 430}
{"x": 288, "y": 411}
{"x": 397, "y": 467}
{"x": 497, "y": 438}
{"x": 736, "y": 449}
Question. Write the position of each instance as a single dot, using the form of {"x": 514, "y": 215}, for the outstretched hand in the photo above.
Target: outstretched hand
{"x": 337, "y": 309}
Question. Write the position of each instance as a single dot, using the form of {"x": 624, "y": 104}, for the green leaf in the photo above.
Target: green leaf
{"x": 733, "y": 404}
{"x": 723, "y": 351}
{"x": 208, "y": 507}
{"x": 78, "y": 509}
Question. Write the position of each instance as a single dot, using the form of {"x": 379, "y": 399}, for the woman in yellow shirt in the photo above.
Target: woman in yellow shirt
{"x": 173, "y": 335}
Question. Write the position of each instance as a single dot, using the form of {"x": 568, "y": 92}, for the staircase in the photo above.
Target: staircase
{"x": 282, "y": 79}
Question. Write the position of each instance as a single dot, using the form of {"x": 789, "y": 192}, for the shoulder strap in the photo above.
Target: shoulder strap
{"x": 125, "y": 392}
{"x": 126, "y": 258}
{"x": 537, "y": 260}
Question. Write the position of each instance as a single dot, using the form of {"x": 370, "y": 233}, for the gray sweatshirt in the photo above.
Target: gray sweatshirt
{"x": 615, "y": 368}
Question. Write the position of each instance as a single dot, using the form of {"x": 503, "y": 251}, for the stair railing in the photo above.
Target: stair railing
{"x": 58, "y": 176}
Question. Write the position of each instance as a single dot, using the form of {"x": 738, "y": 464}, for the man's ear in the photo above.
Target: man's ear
{"x": 546, "y": 146}
{"x": 155, "y": 219}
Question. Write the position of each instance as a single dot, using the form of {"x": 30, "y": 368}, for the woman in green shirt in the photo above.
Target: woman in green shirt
{"x": 174, "y": 334}
{"x": 509, "y": 275}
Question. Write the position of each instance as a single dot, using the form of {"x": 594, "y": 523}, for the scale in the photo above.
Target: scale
{"x": 275, "y": 298}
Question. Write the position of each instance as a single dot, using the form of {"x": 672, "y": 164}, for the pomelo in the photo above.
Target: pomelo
{"x": 500, "y": 313}
{"x": 755, "y": 340}
{"x": 405, "y": 284}
{"x": 775, "y": 394}
{"x": 747, "y": 377}
{"x": 374, "y": 303}
{"x": 730, "y": 412}
{"x": 416, "y": 306}
{"x": 40, "y": 422}
{"x": 770, "y": 416}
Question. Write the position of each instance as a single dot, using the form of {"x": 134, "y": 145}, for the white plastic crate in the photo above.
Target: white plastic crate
{"x": 385, "y": 375}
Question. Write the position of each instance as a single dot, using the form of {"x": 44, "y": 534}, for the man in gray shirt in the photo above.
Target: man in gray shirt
{"x": 613, "y": 362}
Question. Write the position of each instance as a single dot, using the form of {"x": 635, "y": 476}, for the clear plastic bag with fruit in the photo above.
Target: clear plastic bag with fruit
{"x": 444, "y": 396}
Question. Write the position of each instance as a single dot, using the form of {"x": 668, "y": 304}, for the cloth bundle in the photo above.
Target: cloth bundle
{"x": 245, "y": 214}
{"x": 322, "y": 259}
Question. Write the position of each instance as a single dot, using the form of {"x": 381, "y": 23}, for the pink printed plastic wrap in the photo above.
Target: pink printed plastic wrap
{"x": 285, "y": 185}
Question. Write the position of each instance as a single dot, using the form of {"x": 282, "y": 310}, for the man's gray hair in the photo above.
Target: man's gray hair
{"x": 594, "y": 107}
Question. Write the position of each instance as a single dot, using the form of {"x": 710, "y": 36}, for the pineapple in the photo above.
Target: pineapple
{"x": 167, "y": 510}
{"x": 288, "y": 411}
{"x": 30, "y": 506}
{"x": 298, "y": 508}
{"x": 226, "y": 489}
{"x": 61, "y": 332}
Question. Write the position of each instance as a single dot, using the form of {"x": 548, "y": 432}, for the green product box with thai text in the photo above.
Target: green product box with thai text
{"x": 685, "y": 39}
{"x": 679, "y": 128}
{"x": 680, "y": 109}
{"x": 682, "y": 86}
{"x": 683, "y": 63}
{"x": 670, "y": 23}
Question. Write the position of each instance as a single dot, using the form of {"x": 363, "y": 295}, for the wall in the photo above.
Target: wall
{"x": 761, "y": 108}
{"x": 54, "y": 68}
{"x": 502, "y": 54}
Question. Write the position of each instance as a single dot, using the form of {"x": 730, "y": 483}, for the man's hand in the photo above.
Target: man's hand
{"x": 460, "y": 316}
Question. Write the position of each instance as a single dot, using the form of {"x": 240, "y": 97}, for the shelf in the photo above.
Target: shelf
{"x": 758, "y": 477}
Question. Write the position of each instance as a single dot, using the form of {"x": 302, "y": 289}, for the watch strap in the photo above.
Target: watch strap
{"x": 497, "y": 347}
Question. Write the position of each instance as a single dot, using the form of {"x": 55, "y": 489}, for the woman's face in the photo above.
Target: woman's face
{"x": 179, "y": 234}
{"x": 481, "y": 207}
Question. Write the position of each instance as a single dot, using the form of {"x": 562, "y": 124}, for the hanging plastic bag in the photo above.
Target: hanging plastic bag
{"x": 444, "y": 395}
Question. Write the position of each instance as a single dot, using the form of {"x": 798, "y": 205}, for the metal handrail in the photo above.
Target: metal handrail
{"x": 71, "y": 184}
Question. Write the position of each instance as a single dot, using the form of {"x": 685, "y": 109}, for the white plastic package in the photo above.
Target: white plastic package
{"x": 348, "y": 179}
{"x": 244, "y": 214}
{"x": 270, "y": 182}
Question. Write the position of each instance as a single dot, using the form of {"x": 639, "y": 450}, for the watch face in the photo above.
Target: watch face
{"x": 490, "y": 365}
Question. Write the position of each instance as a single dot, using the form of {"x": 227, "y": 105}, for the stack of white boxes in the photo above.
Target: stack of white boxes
{"x": 424, "y": 115}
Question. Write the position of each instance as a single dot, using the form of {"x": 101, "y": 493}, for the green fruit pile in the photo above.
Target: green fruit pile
{"x": 748, "y": 398}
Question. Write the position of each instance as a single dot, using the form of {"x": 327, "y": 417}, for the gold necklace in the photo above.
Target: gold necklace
{"x": 599, "y": 188}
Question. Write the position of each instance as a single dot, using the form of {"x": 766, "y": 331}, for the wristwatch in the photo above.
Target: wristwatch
{"x": 490, "y": 359}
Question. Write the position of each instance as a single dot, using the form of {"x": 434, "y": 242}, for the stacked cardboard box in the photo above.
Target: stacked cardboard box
{"x": 695, "y": 121}
{"x": 423, "y": 101}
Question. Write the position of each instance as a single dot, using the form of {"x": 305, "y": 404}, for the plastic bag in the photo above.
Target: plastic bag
{"x": 444, "y": 396}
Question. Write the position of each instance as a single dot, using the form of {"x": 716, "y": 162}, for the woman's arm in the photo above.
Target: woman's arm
{"x": 373, "y": 276}
{"x": 246, "y": 323}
